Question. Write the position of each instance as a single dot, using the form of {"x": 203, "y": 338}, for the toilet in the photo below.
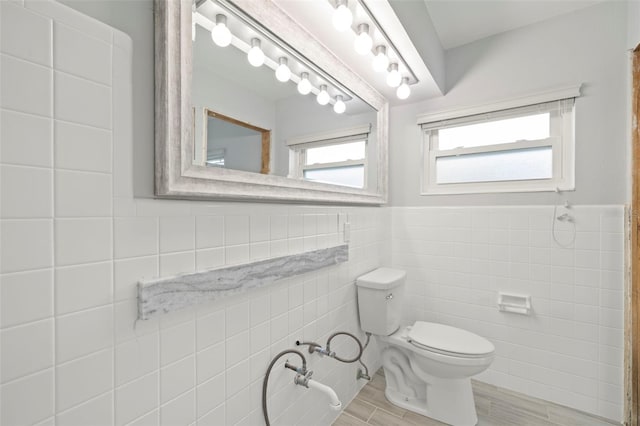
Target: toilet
{"x": 427, "y": 365}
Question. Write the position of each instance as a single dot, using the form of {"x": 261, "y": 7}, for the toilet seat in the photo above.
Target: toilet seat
{"x": 447, "y": 340}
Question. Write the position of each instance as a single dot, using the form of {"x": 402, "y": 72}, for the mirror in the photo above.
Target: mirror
{"x": 227, "y": 129}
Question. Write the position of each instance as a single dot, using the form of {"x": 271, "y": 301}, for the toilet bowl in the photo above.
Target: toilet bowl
{"x": 428, "y": 366}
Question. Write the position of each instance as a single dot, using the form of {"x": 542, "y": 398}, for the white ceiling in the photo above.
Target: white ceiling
{"x": 464, "y": 21}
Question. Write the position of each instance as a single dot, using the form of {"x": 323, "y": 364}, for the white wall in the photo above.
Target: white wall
{"x": 74, "y": 243}
{"x": 588, "y": 47}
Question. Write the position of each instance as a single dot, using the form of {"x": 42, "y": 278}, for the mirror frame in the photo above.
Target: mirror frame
{"x": 175, "y": 174}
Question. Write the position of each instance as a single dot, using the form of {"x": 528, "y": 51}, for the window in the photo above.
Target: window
{"x": 338, "y": 157}
{"x": 526, "y": 148}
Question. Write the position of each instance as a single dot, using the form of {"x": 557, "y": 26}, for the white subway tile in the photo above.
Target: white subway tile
{"x": 135, "y": 236}
{"x": 211, "y": 394}
{"x": 136, "y": 357}
{"x": 83, "y": 333}
{"x": 82, "y": 148}
{"x": 177, "y": 378}
{"x": 82, "y": 194}
{"x": 26, "y": 139}
{"x": 17, "y": 295}
{"x": 210, "y": 329}
{"x": 209, "y": 231}
{"x": 97, "y": 412}
{"x": 210, "y": 362}
{"x": 237, "y": 318}
{"x": 235, "y": 255}
{"x": 26, "y": 87}
{"x": 26, "y": 244}
{"x": 83, "y": 241}
{"x": 259, "y": 228}
{"x": 25, "y": 34}
{"x": 177, "y": 263}
{"x": 83, "y": 379}
{"x": 237, "y": 378}
{"x": 210, "y": 258}
{"x": 236, "y": 230}
{"x": 136, "y": 398}
{"x": 28, "y": 400}
{"x": 129, "y": 272}
{"x": 26, "y": 192}
{"x": 80, "y": 54}
{"x": 26, "y": 349}
{"x": 278, "y": 227}
{"x": 82, "y": 101}
{"x": 181, "y": 411}
{"x": 259, "y": 251}
{"x": 177, "y": 234}
{"x": 177, "y": 342}
{"x": 83, "y": 287}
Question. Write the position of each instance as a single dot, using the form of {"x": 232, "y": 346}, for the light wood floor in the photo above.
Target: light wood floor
{"x": 495, "y": 407}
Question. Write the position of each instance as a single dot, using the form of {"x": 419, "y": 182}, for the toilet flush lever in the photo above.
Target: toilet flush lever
{"x": 389, "y": 296}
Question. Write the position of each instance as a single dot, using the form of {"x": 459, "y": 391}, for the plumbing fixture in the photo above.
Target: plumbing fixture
{"x": 300, "y": 370}
{"x": 334, "y": 402}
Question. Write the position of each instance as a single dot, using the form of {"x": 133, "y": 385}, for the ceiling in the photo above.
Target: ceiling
{"x": 464, "y": 21}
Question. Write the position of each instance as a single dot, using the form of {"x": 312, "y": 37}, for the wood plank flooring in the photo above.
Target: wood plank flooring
{"x": 495, "y": 407}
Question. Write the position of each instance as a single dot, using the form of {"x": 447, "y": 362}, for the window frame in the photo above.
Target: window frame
{"x": 562, "y": 142}
{"x": 298, "y": 152}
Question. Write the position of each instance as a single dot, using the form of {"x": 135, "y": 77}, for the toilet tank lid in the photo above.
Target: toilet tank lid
{"x": 381, "y": 279}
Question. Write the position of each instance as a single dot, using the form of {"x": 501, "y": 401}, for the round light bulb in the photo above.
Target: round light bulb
{"x": 404, "y": 90}
{"x": 304, "y": 85}
{"x": 283, "y": 73}
{"x": 339, "y": 107}
{"x": 255, "y": 54}
{"x": 381, "y": 60}
{"x": 220, "y": 33}
{"x": 342, "y": 17}
{"x": 363, "y": 41}
{"x": 323, "y": 97}
{"x": 394, "y": 78}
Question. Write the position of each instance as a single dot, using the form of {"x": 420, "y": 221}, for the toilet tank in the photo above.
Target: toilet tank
{"x": 380, "y": 294}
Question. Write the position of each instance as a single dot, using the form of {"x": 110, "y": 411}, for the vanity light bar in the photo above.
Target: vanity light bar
{"x": 280, "y": 66}
{"x": 380, "y": 63}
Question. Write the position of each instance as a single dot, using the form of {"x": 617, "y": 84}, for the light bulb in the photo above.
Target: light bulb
{"x": 394, "y": 77}
{"x": 283, "y": 73}
{"x": 304, "y": 85}
{"x": 220, "y": 33}
{"x": 255, "y": 54}
{"x": 323, "y": 96}
{"x": 363, "y": 41}
{"x": 342, "y": 16}
{"x": 381, "y": 60}
{"x": 339, "y": 107}
{"x": 404, "y": 90}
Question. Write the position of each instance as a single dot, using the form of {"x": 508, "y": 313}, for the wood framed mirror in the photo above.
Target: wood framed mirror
{"x": 181, "y": 67}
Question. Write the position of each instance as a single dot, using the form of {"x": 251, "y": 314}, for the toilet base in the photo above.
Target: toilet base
{"x": 450, "y": 402}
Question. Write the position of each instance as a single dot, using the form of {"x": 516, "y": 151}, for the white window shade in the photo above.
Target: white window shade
{"x": 332, "y": 137}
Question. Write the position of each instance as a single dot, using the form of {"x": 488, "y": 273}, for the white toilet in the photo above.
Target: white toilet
{"x": 427, "y": 365}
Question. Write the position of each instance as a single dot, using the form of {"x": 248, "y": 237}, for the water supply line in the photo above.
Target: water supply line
{"x": 300, "y": 370}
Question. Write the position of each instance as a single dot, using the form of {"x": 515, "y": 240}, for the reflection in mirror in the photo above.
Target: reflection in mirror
{"x": 312, "y": 118}
{"x": 233, "y": 144}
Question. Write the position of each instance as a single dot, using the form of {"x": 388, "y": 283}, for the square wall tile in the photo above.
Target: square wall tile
{"x": 26, "y": 244}
{"x": 177, "y": 342}
{"x": 83, "y": 379}
{"x": 82, "y": 147}
{"x": 129, "y": 272}
{"x": 209, "y": 258}
{"x": 26, "y": 349}
{"x": 80, "y": 54}
{"x": 25, "y": 34}
{"x": 25, "y": 87}
{"x": 177, "y": 378}
{"x": 181, "y": 411}
{"x": 136, "y": 398}
{"x": 26, "y": 139}
{"x": 83, "y": 241}
{"x": 136, "y": 358}
{"x": 26, "y": 192}
{"x": 96, "y": 412}
{"x": 236, "y": 230}
{"x": 177, "y": 234}
{"x": 209, "y": 231}
{"x": 82, "y": 101}
{"x": 28, "y": 400}
{"x": 17, "y": 295}
{"x": 135, "y": 236}
{"x": 83, "y": 333}
{"x": 83, "y": 194}
{"x": 83, "y": 287}
{"x": 177, "y": 263}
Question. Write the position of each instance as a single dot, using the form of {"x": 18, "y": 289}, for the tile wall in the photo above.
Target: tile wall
{"x": 570, "y": 350}
{"x": 74, "y": 243}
